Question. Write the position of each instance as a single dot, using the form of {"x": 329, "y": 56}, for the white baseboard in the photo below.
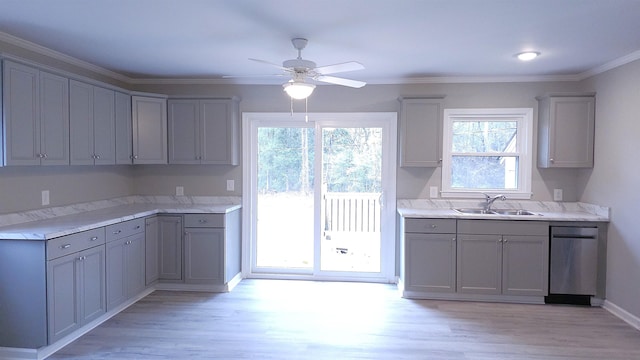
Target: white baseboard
{"x": 623, "y": 314}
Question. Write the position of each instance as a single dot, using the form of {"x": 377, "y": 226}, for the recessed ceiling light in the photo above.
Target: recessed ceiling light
{"x": 528, "y": 55}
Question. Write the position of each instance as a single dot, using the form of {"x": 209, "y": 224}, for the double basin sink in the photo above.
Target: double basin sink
{"x": 516, "y": 212}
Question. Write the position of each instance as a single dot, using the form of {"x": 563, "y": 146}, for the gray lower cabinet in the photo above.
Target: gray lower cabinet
{"x": 125, "y": 269}
{"x": 212, "y": 247}
{"x": 503, "y": 257}
{"x": 151, "y": 251}
{"x": 75, "y": 291}
{"x": 429, "y": 255}
{"x": 170, "y": 247}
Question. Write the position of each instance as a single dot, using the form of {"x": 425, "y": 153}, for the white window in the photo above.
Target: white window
{"x": 487, "y": 151}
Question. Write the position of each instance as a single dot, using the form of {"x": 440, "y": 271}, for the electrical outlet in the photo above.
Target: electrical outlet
{"x": 231, "y": 185}
{"x": 179, "y": 190}
{"x": 45, "y": 197}
{"x": 557, "y": 194}
{"x": 433, "y": 192}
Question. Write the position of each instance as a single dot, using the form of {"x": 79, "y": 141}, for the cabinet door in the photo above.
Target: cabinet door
{"x": 218, "y": 132}
{"x": 184, "y": 132}
{"x": 54, "y": 119}
{"x": 62, "y": 296}
{"x": 170, "y": 247}
{"x": 152, "y": 254}
{"x": 116, "y": 292}
{"x": 566, "y": 131}
{"x": 430, "y": 262}
{"x": 124, "y": 128}
{"x": 104, "y": 146}
{"x": 421, "y": 133}
{"x": 21, "y": 114}
{"x": 149, "y": 117}
{"x": 81, "y": 123}
{"x": 204, "y": 255}
{"x": 135, "y": 267}
{"x": 479, "y": 269}
{"x": 92, "y": 299}
{"x": 525, "y": 265}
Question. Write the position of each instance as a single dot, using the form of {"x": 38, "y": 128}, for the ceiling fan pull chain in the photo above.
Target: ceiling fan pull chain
{"x": 306, "y": 109}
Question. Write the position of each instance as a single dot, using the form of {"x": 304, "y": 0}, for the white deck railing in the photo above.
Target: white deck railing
{"x": 351, "y": 212}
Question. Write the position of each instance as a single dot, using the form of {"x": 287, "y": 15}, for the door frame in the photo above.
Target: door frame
{"x": 388, "y": 121}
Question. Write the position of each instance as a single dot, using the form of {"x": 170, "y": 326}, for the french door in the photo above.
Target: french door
{"x": 320, "y": 196}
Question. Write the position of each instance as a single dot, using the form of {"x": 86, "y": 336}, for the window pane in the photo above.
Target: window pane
{"x": 484, "y": 172}
{"x": 484, "y": 136}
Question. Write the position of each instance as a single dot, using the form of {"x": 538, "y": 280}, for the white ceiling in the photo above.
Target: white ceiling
{"x": 398, "y": 41}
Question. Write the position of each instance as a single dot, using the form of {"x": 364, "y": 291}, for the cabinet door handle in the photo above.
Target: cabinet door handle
{"x": 453, "y": 239}
{"x": 137, "y": 227}
{"x": 44, "y": 155}
{"x": 551, "y": 160}
{"x": 94, "y": 238}
{"x": 65, "y": 246}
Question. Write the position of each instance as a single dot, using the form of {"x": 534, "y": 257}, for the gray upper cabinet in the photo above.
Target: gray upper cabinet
{"x": 124, "y": 129}
{"x": 149, "y": 120}
{"x": 92, "y": 118}
{"x": 203, "y": 131}
{"x": 566, "y": 128}
{"x": 36, "y": 116}
{"x": 421, "y": 132}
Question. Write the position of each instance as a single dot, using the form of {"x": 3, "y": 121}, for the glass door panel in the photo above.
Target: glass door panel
{"x": 350, "y": 199}
{"x": 285, "y": 199}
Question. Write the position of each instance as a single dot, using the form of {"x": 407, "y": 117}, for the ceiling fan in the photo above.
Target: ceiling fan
{"x": 301, "y": 69}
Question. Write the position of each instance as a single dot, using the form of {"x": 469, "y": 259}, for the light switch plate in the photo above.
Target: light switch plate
{"x": 179, "y": 190}
{"x": 45, "y": 197}
{"x": 557, "y": 194}
{"x": 433, "y": 192}
{"x": 231, "y": 185}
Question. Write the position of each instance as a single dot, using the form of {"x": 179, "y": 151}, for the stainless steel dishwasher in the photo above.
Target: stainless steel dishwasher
{"x": 573, "y": 263}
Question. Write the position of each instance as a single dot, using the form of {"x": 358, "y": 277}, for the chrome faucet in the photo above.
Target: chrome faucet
{"x": 490, "y": 199}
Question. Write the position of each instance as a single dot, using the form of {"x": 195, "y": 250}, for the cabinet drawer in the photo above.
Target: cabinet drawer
{"x": 426, "y": 226}
{"x": 503, "y": 227}
{"x": 204, "y": 220}
{"x": 69, "y": 244}
{"x": 124, "y": 229}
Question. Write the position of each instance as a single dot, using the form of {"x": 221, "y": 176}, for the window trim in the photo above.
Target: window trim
{"x": 524, "y": 118}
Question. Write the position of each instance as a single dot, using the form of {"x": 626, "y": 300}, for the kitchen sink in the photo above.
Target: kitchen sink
{"x": 474, "y": 211}
{"x": 515, "y": 212}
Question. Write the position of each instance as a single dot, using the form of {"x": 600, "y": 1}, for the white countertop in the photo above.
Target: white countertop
{"x": 544, "y": 211}
{"x": 46, "y": 224}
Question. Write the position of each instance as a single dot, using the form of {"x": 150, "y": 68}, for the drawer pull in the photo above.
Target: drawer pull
{"x": 202, "y": 221}
{"x": 117, "y": 232}
{"x": 94, "y": 238}
{"x": 137, "y": 227}
{"x": 433, "y": 226}
{"x": 65, "y": 246}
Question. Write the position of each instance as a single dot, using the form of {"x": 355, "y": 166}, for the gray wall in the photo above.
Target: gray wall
{"x": 615, "y": 178}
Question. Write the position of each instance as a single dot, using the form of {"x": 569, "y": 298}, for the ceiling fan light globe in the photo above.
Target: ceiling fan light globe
{"x": 298, "y": 90}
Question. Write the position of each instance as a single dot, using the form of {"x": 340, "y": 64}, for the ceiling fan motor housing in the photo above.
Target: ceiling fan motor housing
{"x": 299, "y": 64}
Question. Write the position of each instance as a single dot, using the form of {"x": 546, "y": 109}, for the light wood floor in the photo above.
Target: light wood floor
{"x": 271, "y": 319}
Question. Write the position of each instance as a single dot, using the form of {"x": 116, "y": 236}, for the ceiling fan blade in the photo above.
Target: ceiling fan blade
{"x": 340, "y": 81}
{"x": 271, "y": 64}
{"x": 337, "y": 68}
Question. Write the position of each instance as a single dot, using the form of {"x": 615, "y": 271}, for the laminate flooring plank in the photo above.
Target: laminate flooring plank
{"x": 284, "y": 319}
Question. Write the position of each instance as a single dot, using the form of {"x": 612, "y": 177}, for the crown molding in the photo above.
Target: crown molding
{"x": 42, "y": 50}
{"x": 610, "y": 65}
